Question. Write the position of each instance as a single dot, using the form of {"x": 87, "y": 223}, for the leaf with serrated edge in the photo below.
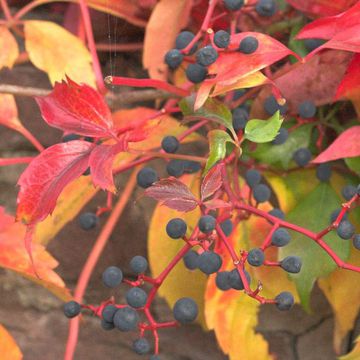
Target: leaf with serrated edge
{"x": 211, "y": 182}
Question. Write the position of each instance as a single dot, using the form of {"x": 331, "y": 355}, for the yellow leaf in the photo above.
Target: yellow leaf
{"x": 9, "y": 48}
{"x": 8, "y": 347}
{"x": 159, "y": 38}
{"x": 56, "y": 51}
{"x": 181, "y": 282}
{"x": 354, "y": 354}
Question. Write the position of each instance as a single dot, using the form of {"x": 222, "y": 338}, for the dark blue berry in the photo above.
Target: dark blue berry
{"x": 146, "y": 177}
{"x": 302, "y": 156}
{"x": 234, "y": 5}
{"x": 141, "y": 346}
{"x": 291, "y": 264}
{"x": 280, "y": 237}
{"x": 185, "y": 310}
{"x": 183, "y": 40}
{"x": 176, "y": 228}
{"x": 209, "y": 262}
{"x": 248, "y": 45}
{"x": 107, "y": 325}
{"x": 345, "y": 230}
{"x": 266, "y": 7}
{"x": 170, "y": 144}
{"x": 284, "y": 301}
{"x": 335, "y": 214}
{"x": 136, "y": 297}
{"x": 191, "y": 167}
{"x": 235, "y": 279}
{"x": 356, "y": 241}
{"x": 174, "y": 58}
{"x": 126, "y": 319}
{"x": 88, "y": 221}
{"x": 323, "y": 172}
{"x": 271, "y": 106}
{"x": 240, "y": 118}
{"x": 112, "y": 276}
{"x": 175, "y": 167}
{"x": 256, "y": 257}
{"x": 207, "y": 224}
{"x": 227, "y": 227}
{"x": 252, "y": 177}
{"x": 312, "y": 44}
{"x": 222, "y": 39}
{"x": 138, "y": 264}
{"x": 206, "y": 55}
{"x": 261, "y": 193}
{"x": 108, "y": 313}
{"x": 72, "y": 309}
{"x": 222, "y": 280}
{"x": 348, "y": 192}
{"x": 307, "y": 109}
{"x": 238, "y": 93}
{"x": 281, "y": 137}
{"x": 277, "y": 213}
{"x": 87, "y": 172}
{"x": 191, "y": 260}
{"x": 196, "y": 73}
{"x": 70, "y": 137}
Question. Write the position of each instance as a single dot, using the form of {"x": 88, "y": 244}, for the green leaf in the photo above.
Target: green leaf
{"x": 217, "y": 142}
{"x": 213, "y": 110}
{"x": 313, "y": 213}
{"x": 262, "y": 131}
{"x": 353, "y": 164}
{"x": 281, "y": 155}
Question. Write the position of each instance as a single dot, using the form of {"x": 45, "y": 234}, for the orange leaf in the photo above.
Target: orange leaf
{"x": 8, "y": 112}
{"x": 8, "y": 347}
{"x": 9, "y": 48}
{"x": 51, "y": 48}
{"x": 14, "y": 256}
{"x": 354, "y": 354}
{"x": 159, "y": 38}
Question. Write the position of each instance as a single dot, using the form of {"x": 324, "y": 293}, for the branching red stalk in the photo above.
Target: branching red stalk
{"x": 14, "y": 161}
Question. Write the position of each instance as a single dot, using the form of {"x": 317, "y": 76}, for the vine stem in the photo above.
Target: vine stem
{"x": 6, "y": 10}
{"x": 85, "y": 13}
{"x": 29, "y": 136}
{"x": 14, "y": 161}
{"x": 154, "y": 154}
{"x": 93, "y": 259}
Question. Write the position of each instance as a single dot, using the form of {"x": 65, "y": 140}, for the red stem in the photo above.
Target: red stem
{"x": 6, "y": 10}
{"x": 14, "y": 161}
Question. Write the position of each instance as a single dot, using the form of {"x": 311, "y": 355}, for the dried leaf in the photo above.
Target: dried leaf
{"x": 173, "y": 194}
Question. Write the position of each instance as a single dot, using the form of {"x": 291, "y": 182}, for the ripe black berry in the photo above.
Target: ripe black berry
{"x": 266, "y": 8}
{"x": 233, "y": 5}
{"x": 281, "y": 137}
{"x": 207, "y": 224}
{"x": 112, "y": 276}
{"x": 87, "y": 172}
{"x": 235, "y": 279}
{"x": 175, "y": 167}
{"x": 222, "y": 280}
{"x": 70, "y": 137}
{"x": 136, "y": 297}
{"x": 256, "y": 257}
{"x": 227, "y": 227}
{"x": 141, "y": 346}
{"x": 280, "y": 237}
{"x": 291, "y": 264}
{"x": 209, "y": 262}
{"x": 196, "y": 73}
{"x": 185, "y": 310}
{"x": 248, "y": 45}
{"x": 323, "y": 172}
{"x": 222, "y": 39}
{"x": 88, "y": 221}
{"x": 261, "y": 193}
{"x": 356, "y": 241}
{"x": 107, "y": 325}
{"x": 126, "y": 319}
{"x": 109, "y": 312}
{"x": 307, "y": 109}
{"x": 146, "y": 177}
{"x": 312, "y": 44}
{"x": 191, "y": 167}
{"x": 138, "y": 264}
{"x": 206, "y": 55}
{"x": 284, "y": 301}
{"x": 174, "y": 58}
{"x": 277, "y": 213}
{"x": 170, "y": 144}
{"x": 191, "y": 260}
{"x": 348, "y": 192}
{"x": 271, "y": 106}
{"x": 238, "y": 93}
{"x": 176, "y": 228}
{"x": 252, "y": 177}
{"x": 240, "y": 118}
{"x": 183, "y": 40}
{"x": 335, "y": 214}
{"x": 345, "y": 230}
{"x": 72, "y": 309}
{"x": 302, "y": 156}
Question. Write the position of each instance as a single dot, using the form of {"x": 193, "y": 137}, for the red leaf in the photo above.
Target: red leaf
{"x": 231, "y": 66}
{"x": 321, "y": 8}
{"x": 101, "y": 165}
{"x": 342, "y": 31}
{"x": 211, "y": 183}
{"x": 47, "y": 175}
{"x": 345, "y": 146}
{"x": 214, "y": 204}
{"x": 77, "y": 109}
{"x": 173, "y": 194}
